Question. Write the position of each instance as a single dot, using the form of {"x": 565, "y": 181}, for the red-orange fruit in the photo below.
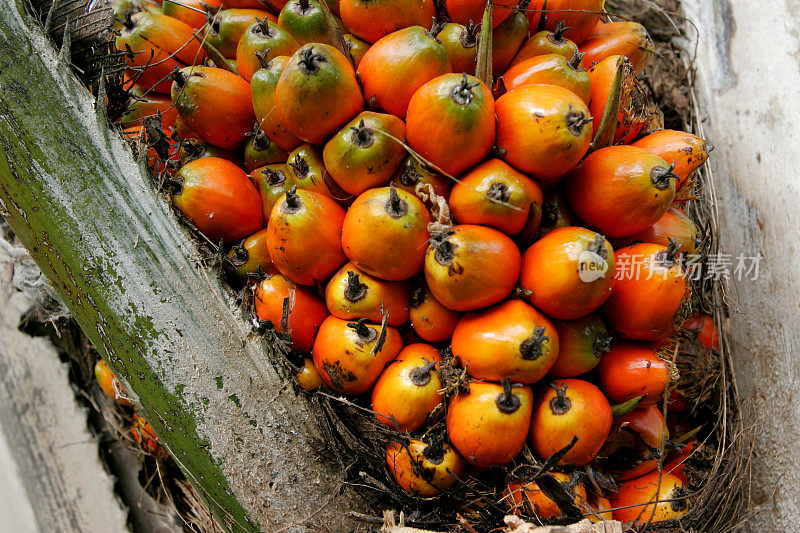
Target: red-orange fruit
{"x": 469, "y": 267}
{"x": 546, "y": 42}
{"x": 510, "y": 340}
{"x": 544, "y": 130}
{"x": 159, "y": 44}
{"x": 687, "y": 151}
{"x": 219, "y": 198}
{"x": 648, "y": 294}
{"x": 626, "y": 38}
{"x": 550, "y": 69}
{"x": 528, "y": 498}
{"x": 350, "y": 356}
{"x": 424, "y": 469}
{"x": 632, "y": 369}
{"x": 569, "y": 272}
{"x": 578, "y": 16}
{"x": 621, "y": 190}
{"x": 431, "y": 320}
{"x": 373, "y": 19}
{"x": 489, "y": 424}
{"x": 109, "y": 384}
{"x": 352, "y": 294}
{"x": 395, "y": 67}
{"x": 466, "y": 11}
{"x": 636, "y": 499}
{"x": 215, "y": 104}
{"x": 409, "y": 389}
{"x": 292, "y": 309}
{"x": 494, "y": 194}
{"x": 582, "y": 342}
{"x": 451, "y": 122}
{"x": 673, "y": 225}
{"x": 385, "y": 233}
{"x": 304, "y": 235}
{"x": 250, "y": 258}
{"x": 570, "y": 408}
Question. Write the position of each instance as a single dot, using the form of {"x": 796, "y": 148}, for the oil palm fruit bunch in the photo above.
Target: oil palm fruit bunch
{"x": 474, "y": 229}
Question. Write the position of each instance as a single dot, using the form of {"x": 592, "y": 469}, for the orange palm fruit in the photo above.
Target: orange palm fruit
{"x": 528, "y": 498}
{"x": 544, "y": 130}
{"x": 621, "y": 190}
{"x": 317, "y": 93}
{"x": 250, "y": 258}
{"x": 352, "y": 294}
{"x": 219, "y": 198}
{"x": 307, "y": 376}
{"x": 546, "y": 42}
{"x": 704, "y": 327}
{"x": 385, "y": 233}
{"x": 191, "y": 11}
{"x": 488, "y": 425}
{"x": 431, "y": 320}
{"x": 109, "y": 384}
{"x": 632, "y": 369}
{"x": 158, "y": 45}
{"x": 469, "y": 267}
{"x": 143, "y": 104}
{"x": 272, "y": 181}
{"x": 307, "y": 170}
{"x": 625, "y": 38}
{"x": 550, "y": 69}
{"x": 687, "y": 151}
{"x": 494, "y": 194}
{"x": 143, "y": 434}
{"x": 409, "y": 389}
{"x": 636, "y": 112}
{"x": 291, "y": 309}
{"x": 510, "y": 340}
{"x": 350, "y": 356}
{"x": 373, "y": 19}
{"x": 464, "y": 11}
{"x": 570, "y": 408}
{"x": 582, "y": 342}
{"x": 569, "y": 272}
{"x": 396, "y": 66}
{"x": 673, "y": 225}
{"x": 578, "y": 16}
{"x": 215, "y": 104}
{"x": 451, "y": 122}
{"x": 633, "y": 448}
{"x": 305, "y": 236}
{"x": 650, "y": 499}
{"x": 649, "y": 294}
{"x": 423, "y": 469}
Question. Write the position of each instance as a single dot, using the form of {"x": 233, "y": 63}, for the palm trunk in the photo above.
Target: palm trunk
{"x": 88, "y": 214}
